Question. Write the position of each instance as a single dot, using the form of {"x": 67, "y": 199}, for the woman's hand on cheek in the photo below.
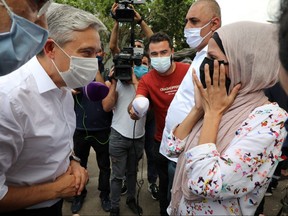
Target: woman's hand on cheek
{"x": 197, "y": 95}
{"x": 214, "y": 98}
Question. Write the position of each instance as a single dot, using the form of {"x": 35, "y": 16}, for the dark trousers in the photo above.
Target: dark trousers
{"x": 280, "y": 166}
{"x": 171, "y": 172}
{"x": 149, "y": 146}
{"x": 260, "y": 208}
{"x": 55, "y": 210}
{"x": 100, "y": 143}
{"x": 162, "y": 169}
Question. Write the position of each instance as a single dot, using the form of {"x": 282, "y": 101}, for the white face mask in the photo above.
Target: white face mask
{"x": 82, "y": 71}
{"x": 193, "y": 37}
{"x": 161, "y": 64}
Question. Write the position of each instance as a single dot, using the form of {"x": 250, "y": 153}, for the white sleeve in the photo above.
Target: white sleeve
{"x": 11, "y": 140}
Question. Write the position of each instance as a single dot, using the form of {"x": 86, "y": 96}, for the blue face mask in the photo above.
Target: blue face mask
{"x": 140, "y": 70}
{"x": 18, "y": 46}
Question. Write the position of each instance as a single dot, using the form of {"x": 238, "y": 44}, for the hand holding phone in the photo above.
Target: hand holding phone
{"x": 210, "y": 62}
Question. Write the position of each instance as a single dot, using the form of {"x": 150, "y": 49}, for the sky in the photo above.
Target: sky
{"x": 252, "y": 10}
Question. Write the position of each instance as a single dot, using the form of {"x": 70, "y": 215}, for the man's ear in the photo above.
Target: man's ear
{"x": 49, "y": 48}
{"x": 216, "y": 23}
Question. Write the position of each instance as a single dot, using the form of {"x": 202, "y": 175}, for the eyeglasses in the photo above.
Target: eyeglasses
{"x": 43, "y": 6}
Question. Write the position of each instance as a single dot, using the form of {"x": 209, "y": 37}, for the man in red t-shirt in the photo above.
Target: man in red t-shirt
{"x": 159, "y": 86}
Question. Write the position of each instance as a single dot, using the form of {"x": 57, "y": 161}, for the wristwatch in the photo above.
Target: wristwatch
{"x": 140, "y": 21}
{"x": 75, "y": 158}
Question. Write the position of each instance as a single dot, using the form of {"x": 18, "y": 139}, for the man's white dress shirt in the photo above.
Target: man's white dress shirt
{"x": 182, "y": 102}
{"x": 37, "y": 122}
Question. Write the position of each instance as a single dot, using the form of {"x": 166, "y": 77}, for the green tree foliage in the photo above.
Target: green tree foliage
{"x": 169, "y": 16}
{"x": 161, "y": 15}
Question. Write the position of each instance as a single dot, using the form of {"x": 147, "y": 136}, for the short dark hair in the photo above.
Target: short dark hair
{"x": 283, "y": 34}
{"x": 159, "y": 37}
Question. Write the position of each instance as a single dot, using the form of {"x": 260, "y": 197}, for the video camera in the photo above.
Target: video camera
{"x": 124, "y": 13}
{"x": 125, "y": 60}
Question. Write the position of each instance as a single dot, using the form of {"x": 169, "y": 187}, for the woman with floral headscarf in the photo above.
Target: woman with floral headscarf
{"x": 230, "y": 143}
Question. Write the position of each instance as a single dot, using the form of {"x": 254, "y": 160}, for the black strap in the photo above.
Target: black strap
{"x": 140, "y": 21}
{"x": 279, "y": 213}
{"x": 218, "y": 41}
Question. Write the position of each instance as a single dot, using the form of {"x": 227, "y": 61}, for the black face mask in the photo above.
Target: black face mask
{"x": 210, "y": 62}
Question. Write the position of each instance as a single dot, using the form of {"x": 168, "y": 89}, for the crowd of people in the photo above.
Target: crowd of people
{"x": 214, "y": 131}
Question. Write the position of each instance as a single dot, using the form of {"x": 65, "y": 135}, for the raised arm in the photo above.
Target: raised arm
{"x": 113, "y": 44}
{"x": 110, "y": 100}
{"x": 144, "y": 27}
{"x": 215, "y": 102}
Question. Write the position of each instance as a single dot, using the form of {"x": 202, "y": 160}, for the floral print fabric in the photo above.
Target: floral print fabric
{"x": 235, "y": 182}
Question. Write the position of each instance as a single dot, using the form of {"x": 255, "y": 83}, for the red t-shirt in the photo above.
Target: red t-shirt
{"x": 160, "y": 90}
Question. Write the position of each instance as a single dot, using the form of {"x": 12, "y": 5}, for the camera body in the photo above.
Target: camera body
{"x": 124, "y": 13}
{"x": 124, "y": 61}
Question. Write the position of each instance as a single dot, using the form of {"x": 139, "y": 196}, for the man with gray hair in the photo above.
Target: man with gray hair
{"x": 37, "y": 121}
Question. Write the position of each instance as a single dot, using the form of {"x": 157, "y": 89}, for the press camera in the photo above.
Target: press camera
{"x": 124, "y": 13}
{"x": 125, "y": 60}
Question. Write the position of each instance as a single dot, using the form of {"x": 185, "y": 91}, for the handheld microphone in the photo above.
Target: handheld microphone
{"x": 95, "y": 91}
{"x": 140, "y": 106}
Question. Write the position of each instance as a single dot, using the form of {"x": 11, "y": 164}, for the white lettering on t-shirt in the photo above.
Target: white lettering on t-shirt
{"x": 171, "y": 90}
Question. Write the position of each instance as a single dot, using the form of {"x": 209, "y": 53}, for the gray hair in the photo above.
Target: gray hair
{"x": 63, "y": 20}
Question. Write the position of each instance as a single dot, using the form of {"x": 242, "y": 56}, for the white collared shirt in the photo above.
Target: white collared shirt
{"x": 182, "y": 102}
{"x": 37, "y": 122}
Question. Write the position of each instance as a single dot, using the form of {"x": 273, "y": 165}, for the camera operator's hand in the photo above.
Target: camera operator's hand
{"x": 113, "y": 10}
{"x": 111, "y": 78}
{"x": 134, "y": 80}
{"x": 137, "y": 16}
{"x": 140, "y": 21}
